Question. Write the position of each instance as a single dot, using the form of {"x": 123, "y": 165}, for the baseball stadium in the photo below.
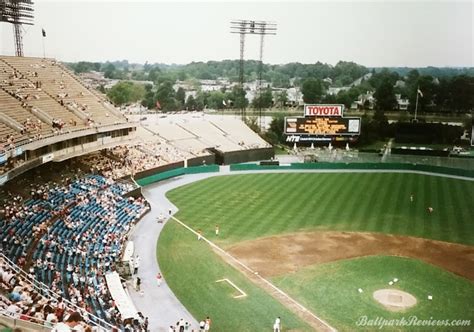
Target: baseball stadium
{"x": 197, "y": 220}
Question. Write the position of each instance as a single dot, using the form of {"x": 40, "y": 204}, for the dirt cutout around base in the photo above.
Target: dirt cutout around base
{"x": 394, "y": 299}
{"x": 279, "y": 255}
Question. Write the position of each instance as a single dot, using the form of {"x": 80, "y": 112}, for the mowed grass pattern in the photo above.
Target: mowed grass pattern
{"x": 191, "y": 269}
{"x": 255, "y": 205}
{"x": 332, "y": 288}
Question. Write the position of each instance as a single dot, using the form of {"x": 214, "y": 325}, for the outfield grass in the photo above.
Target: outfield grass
{"x": 255, "y": 205}
{"x": 331, "y": 291}
{"x": 191, "y": 269}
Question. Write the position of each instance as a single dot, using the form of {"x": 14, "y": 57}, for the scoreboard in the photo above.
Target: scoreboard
{"x": 322, "y": 123}
{"x": 322, "y": 126}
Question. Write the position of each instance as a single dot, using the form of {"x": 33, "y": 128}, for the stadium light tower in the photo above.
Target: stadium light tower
{"x": 18, "y": 13}
{"x": 249, "y": 27}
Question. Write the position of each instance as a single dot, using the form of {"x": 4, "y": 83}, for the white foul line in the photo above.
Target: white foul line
{"x": 242, "y": 293}
{"x": 255, "y": 273}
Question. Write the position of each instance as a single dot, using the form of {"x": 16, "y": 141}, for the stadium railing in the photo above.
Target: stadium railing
{"x": 23, "y": 325}
{"x": 43, "y": 289}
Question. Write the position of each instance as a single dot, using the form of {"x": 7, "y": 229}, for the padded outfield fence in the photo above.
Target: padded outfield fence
{"x": 177, "y": 172}
{"x": 358, "y": 166}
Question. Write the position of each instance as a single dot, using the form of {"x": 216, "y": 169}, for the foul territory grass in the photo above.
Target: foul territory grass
{"x": 255, "y": 205}
{"x": 331, "y": 290}
{"x": 191, "y": 269}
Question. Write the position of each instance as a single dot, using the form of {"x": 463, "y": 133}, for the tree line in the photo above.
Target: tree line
{"x": 443, "y": 89}
{"x": 445, "y": 94}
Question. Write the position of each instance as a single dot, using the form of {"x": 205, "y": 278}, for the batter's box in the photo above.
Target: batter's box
{"x": 241, "y": 293}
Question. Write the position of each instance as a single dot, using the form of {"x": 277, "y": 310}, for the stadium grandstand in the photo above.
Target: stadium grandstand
{"x": 69, "y": 201}
{"x": 87, "y": 189}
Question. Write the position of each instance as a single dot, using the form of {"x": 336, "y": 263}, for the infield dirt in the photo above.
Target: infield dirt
{"x": 279, "y": 255}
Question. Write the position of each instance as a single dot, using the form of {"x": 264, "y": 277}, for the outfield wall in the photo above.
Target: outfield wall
{"x": 160, "y": 169}
{"x": 360, "y": 166}
{"x": 171, "y": 173}
{"x": 234, "y": 157}
{"x": 204, "y": 160}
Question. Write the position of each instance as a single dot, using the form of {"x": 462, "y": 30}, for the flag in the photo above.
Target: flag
{"x": 420, "y": 93}
{"x": 43, "y": 32}
{"x": 158, "y": 105}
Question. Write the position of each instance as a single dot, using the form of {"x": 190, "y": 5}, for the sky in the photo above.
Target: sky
{"x": 375, "y": 34}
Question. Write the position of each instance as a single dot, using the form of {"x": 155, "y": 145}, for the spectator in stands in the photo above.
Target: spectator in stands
{"x": 55, "y": 200}
{"x": 71, "y": 322}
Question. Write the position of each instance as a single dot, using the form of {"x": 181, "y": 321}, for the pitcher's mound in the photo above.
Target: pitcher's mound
{"x": 394, "y": 299}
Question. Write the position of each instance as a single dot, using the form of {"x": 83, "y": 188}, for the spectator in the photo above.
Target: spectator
{"x": 71, "y": 322}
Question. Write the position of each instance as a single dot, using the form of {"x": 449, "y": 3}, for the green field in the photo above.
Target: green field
{"x": 329, "y": 288}
{"x": 191, "y": 269}
{"x": 255, "y": 205}
{"x": 251, "y": 206}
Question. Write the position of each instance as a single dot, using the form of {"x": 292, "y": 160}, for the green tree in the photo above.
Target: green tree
{"x": 149, "y": 98}
{"x": 126, "y": 92}
{"x": 312, "y": 91}
{"x": 385, "y": 96}
{"x": 274, "y": 134}
{"x": 216, "y": 99}
{"x": 109, "y": 70}
{"x": 461, "y": 89}
{"x": 153, "y": 74}
{"x": 329, "y": 99}
{"x": 344, "y": 98}
{"x": 238, "y": 98}
{"x": 265, "y": 100}
{"x": 191, "y": 103}
{"x": 252, "y": 123}
{"x": 165, "y": 95}
{"x": 281, "y": 98}
{"x": 428, "y": 89}
{"x": 181, "y": 95}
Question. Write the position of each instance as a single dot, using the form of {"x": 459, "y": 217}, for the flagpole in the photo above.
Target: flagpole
{"x": 43, "y": 33}
{"x": 44, "y": 53}
{"x": 416, "y": 104}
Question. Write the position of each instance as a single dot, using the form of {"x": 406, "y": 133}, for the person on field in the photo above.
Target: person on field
{"x": 277, "y": 325}
{"x": 217, "y": 230}
{"x": 136, "y": 264}
{"x": 199, "y": 235}
{"x": 207, "y": 326}
{"x": 159, "y": 279}
{"x": 412, "y": 198}
{"x": 202, "y": 325}
{"x": 430, "y": 210}
{"x": 160, "y": 219}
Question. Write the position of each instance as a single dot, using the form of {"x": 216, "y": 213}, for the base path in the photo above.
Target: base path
{"x": 279, "y": 255}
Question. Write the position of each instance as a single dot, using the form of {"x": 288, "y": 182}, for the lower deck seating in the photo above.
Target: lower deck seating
{"x": 79, "y": 230}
